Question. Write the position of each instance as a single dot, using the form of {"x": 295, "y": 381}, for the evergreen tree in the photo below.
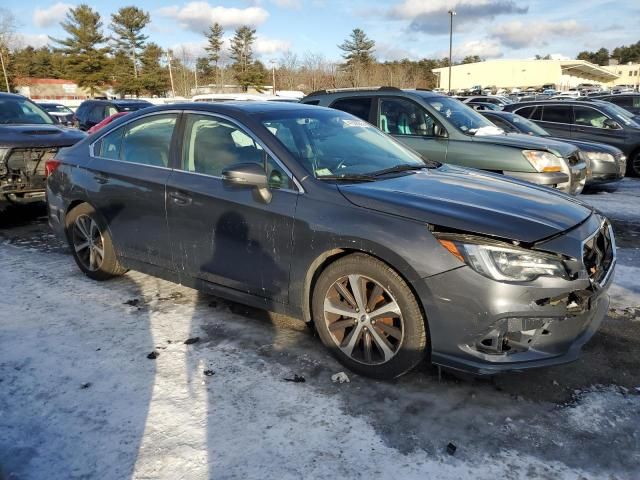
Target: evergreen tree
{"x": 358, "y": 49}
{"x": 154, "y": 78}
{"x": 214, "y": 45}
{"x": 128, "y": 24}
{"x": 246, "y": 72}
{"x": 86, "y": 59}
{"x": 204, "y": 70}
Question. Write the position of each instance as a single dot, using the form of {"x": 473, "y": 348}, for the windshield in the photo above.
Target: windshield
{"x": 625, "y": 116}
{"x": 60, "y": 109}
{"x": 330, "y": 143}
{"x": 20, "y": 110}
{"x": 131, "y": 107}
{"x": 465, "y": 119}
{"x": 527, "y": 126}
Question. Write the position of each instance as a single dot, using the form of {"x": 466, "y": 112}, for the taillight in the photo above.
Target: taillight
{"x": 50, "y": 166}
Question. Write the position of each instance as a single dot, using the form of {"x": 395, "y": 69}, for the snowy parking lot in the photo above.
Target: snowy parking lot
{"x": 81, "y": 399}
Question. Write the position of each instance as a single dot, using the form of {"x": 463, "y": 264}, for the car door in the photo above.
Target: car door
{"x": 593, "y": 124}
{"x": 131, "y": 165}
{"x": 413, "y": 125}
{"x": 226, "y": 234}
{"x": 556, "y": 119}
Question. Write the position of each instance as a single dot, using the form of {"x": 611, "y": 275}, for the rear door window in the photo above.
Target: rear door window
{"x": 148, "y": 141}
{"x": 557, "y": 114}
{"x": 532, "y": 113}
{"x": 359, "y": 106}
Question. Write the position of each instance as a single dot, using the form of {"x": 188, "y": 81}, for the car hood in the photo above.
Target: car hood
{"x": 39, "y": 136}
{"x": 590, "y": 146}
{"x": 528, "y": 142}
{"x": 472, "y": 201}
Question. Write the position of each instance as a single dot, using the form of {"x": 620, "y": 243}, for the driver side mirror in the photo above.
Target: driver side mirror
{"x": 439, "y": 131}
{"x": 611, "y": 124}
{"x": 249, "y": 175}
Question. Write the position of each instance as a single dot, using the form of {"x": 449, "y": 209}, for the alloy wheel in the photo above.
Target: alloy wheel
{"x": 364, "y": 319}
{"x": 88, "y": 242}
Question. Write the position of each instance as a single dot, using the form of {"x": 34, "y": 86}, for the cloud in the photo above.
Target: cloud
{"x": 270, "y": 46}
{"x": 21, "y": 40}
{"x": 294, "y": 4}
{"x": 198, "y": 16}
{"x": 485, "y": 49}
{"x": 518, "y": 35}
{"x": 45, "y": 17}
{"x": 391, "y": 52}
{"x": 432, "y": 17}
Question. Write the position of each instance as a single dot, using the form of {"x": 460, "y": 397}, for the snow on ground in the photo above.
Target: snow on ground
{"x": 79, "y": 399}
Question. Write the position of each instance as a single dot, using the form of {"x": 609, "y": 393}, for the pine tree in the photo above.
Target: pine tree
{"x": 214, "y": 45}
{"x": 154, "y": 78}
{"x": 358, "y": 53}
{"x": 128, "y": 24}
{"x": 86, "y": 60}
{"x": 246, "y": 71}
{"x": 358, "y": 49}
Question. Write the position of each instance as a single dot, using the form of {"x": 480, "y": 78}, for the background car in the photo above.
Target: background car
{"x": 446, "y": 130}
{"x": 594, "y": 121}
{"x": 60, "y": 113}
{"x": 630, "y": 102}
{"x": 107, "y": 121}
{"x": 92, "y": 112}
{"x": 605, "y": 164}
{"x": 484, "y": 106}
{"x": 29, "y": 137}
{"x": 318, "y": 214}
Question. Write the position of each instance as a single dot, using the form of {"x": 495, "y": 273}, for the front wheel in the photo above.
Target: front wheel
{"x": 634, "y": 164}
{"x": 91, "y": 244}
{"x": 368, "y": 317}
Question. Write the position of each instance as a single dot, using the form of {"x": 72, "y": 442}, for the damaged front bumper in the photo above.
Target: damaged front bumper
{"x": 484, "y": 326}
{"x": 22, "y": 173}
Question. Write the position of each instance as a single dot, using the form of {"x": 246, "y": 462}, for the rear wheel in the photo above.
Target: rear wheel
{"x": 91, "y": 244}
{"x": 368, "y": 317}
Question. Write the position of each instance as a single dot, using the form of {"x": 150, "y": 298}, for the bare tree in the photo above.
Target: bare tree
{"x": 8, "y": 25}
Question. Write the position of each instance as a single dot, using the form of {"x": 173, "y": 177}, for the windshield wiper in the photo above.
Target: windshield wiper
{"x": 403, "y": 167}
{"x": 348, "y": 178}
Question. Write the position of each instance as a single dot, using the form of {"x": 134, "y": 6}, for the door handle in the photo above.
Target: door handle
{"x": 180, "y": 199}
{"x": 101, "y": 178}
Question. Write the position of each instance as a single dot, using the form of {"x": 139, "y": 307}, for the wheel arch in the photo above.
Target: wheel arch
{"x": 328, "y": 257}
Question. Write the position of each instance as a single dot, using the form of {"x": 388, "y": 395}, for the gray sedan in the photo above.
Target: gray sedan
{"x": 314, "y": 213}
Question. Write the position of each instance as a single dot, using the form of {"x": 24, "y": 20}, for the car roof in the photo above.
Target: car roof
{"x": 12, "y": 95}
{"x": 252, "y": 107}
{"x": 391, "y": 91}
{"x": 560, "y": 102}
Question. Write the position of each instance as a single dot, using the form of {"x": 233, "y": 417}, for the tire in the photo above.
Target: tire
{"x": 81, "y": 222}
{"x": 397, "y": 335}
{"x": 633, "y": 165}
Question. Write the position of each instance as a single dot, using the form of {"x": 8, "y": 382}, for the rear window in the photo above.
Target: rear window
{"x": 360, "y": 107}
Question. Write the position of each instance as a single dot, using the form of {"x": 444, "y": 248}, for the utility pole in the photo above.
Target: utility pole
{"x": 451, "y": 15}
{"x": 173, "y": 89}
{"x": 4, "y": 71}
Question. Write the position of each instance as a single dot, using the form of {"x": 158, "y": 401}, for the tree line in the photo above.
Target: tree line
{"x": 623, "y": 54}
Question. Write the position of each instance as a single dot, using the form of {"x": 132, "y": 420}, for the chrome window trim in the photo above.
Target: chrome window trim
{"x": 255, "y": 138}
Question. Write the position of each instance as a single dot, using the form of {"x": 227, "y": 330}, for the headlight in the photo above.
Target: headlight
{"x": 543, "y": 161}
{"x": 600, "y": 156}
{"x": 504, "y": 263}
{"x": 3, "y": 166}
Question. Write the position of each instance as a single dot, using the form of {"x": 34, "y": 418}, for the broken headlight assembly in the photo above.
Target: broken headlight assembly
{"x": 599, "y": 157}
{"x": 503, "y": 262}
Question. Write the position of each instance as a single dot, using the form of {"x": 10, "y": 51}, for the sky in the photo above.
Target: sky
{"x": 401, "y": 28}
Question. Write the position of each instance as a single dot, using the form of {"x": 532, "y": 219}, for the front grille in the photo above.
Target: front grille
{"x": 598, "y": 253}
{"x": 29, "y": 161}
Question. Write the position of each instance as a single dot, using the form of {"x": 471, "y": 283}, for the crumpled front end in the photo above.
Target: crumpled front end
{"x": 485, "y": 326}
{"x": 22, "y": 173}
